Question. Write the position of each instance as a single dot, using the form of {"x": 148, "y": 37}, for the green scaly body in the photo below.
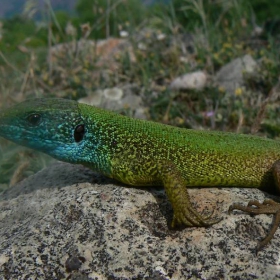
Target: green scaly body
{"x": 134, "y": 149}
{"x": 143, "y": 153}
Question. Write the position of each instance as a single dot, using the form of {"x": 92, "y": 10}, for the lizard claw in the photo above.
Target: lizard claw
{"x": 190, "y": 217}
{"x": 269, "y": 206}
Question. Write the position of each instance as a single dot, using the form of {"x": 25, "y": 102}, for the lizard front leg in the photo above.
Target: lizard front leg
{"x": 175, "y": 188}
{"x": 269, "y": 206}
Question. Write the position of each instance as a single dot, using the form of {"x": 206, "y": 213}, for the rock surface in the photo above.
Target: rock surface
{"x": 116, "y": 99}
{"x": 105, "y": 51}
{"x": 230, "y": 76}
{"x": 195, "y": 80}
{"x": 68, "y": 222}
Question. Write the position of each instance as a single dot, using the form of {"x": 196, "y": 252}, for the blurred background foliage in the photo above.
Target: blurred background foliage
{"x": 168, "y": 39}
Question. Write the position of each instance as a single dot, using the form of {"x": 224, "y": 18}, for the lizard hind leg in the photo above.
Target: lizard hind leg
{"x": 269, "y": 206}
{"x": 177, "y": 193}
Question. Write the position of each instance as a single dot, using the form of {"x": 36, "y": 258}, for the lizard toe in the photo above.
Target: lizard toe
{"x": 267, "y": 207}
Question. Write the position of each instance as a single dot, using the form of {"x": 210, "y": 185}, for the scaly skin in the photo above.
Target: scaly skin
{"x": 142, "y": 153}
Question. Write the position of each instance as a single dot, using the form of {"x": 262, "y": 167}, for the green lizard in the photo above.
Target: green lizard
{"x": 144, "y": 153}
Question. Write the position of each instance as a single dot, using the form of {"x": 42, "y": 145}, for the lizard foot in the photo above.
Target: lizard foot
{"x": 188, "y": 216}
{"x": 176, "y": 190}
{"x": 269, "y": 206}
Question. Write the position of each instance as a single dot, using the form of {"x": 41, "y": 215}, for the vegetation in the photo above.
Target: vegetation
{"x": 167, "y": 40}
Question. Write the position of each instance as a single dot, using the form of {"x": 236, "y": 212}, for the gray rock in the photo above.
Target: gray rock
{"x": 117, "y": 99}
{"x": 195, "y": 80}
{"x": 230, "y": 76}
{"x": 67, "y": 221}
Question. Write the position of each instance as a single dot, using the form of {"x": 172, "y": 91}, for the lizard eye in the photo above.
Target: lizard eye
{"x": 79, "y": 133}
{"x": 34, "y": 119}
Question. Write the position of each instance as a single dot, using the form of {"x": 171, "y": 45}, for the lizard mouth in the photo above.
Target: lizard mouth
{"x": 26, "y": 138}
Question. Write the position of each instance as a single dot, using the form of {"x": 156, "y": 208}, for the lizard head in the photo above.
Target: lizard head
{"x": 51, "y": 125}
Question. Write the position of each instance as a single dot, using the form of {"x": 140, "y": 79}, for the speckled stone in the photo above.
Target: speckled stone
{"x": 69, "y": 222}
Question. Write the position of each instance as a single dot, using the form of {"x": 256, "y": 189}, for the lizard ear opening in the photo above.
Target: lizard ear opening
{"x": 79, "y": 133}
